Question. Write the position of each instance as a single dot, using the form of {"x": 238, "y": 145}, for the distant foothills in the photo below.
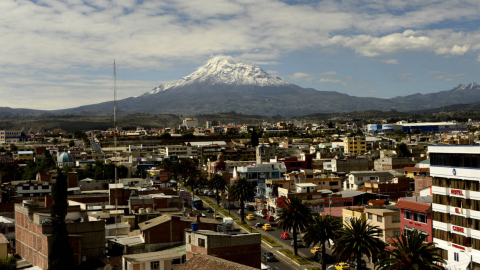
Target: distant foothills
{"x": 224, "y": 86}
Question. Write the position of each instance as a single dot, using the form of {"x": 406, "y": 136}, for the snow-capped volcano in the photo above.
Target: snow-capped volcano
{"x": 223, "y": 70}
{"x": 462, "y": 87}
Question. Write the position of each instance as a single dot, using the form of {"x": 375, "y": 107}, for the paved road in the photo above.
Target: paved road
{"x": 280, "y": 264}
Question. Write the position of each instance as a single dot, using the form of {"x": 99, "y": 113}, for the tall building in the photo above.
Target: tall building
{"x": 456, "y": 203}
{"x": 355, "y": 145}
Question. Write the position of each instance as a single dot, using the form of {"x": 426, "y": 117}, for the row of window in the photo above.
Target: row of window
{"x": 415, "y": 216}
{"x": 456, "y": 184}
{"x": 395, "y": 219}
{"x": 454, "y": 238}
{"x": 455, "y": 160}
{"x": 457, "y": 202}
{"x": 457, "y": 220}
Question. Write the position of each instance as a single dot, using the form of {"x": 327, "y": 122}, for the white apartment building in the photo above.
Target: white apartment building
{"x": 190, "y": 122}
{"x": 9, "y": 136}
{"x": 34, "y": 189}
{"x": 257, "y": 173}
{"x": 357, "y": 178}
{"x": 456, "y": 203}
{"x": 180, "y": 150}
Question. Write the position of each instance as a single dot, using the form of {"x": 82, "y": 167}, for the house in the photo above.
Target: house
{"x": 356, "y": 179}
{"x": 167, "y": 259}
{"x": 416, "y": 214}
{"x": 3, "y": 247}
{"x": 239, "y": 248}
{"x": 387, "y": 219}
{"x": 392, "y": 163}
{"x": 33, "y": 232}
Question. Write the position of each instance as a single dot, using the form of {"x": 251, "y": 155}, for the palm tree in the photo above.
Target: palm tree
{"x": 229, "y": 197}
{"x": 322, "y": 229}
{"x": 411, "y": 252}
{"x": 294, "y": 216}
{"x": 218, "y": 184}
{"x": 358, "y": 238}
{"x": 243, "y": 190}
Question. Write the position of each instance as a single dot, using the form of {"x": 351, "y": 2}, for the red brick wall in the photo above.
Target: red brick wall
{"x": 30, "y": 243}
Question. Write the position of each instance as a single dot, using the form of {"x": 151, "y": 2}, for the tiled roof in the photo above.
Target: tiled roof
{"x": 206, "y": 262}
{"x": 3, "y": 239}
{"x": 414, "y": 206}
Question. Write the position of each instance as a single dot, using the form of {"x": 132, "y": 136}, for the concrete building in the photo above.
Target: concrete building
{"x": 416, "y": 214}
{"x": 190, "y": 122}
{"x": 394, "y": 189}
{"x": 350, "y": 164}
{"x": 355, "y": 145}
{"x": 387, "y": 219}
{"x": 3, "y": 247}
{"x": 168, "y": 259}
{"x": 257, "y": 173}
{"x": 353, "y": 212}
{"x": 180, "y": 150}
{"x": 239, "y": 248}
{"x": 456, "y": 203}
{"x": 24, "y": 156}
{"x": 33, "y": 231}
{"x": 356, "y": 179}
{"x": 34, "y": 188}
{"x": 392, "y": 163}
{"x": 93, "y": 184}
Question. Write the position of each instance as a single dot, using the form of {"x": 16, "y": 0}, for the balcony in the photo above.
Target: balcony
{"x": 441, "y": 208}
{"x": 442, "y": 243}
{"x": 460, "y": 211}
{"x": 461, "y": 230}
{"x": 442, "y": 225}
{"x": 459, "y": 193}
{"x": 475, "y": 195}
{"x": 440, "y": 190}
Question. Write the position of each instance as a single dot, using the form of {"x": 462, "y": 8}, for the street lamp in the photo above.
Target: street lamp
{"x": 469, "y": 267}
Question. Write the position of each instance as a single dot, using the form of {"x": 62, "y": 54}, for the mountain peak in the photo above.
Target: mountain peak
{"x": 223, "y": 70}
{"x": 469, "y": 86}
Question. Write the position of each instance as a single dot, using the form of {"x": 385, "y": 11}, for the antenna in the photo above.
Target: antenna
{"x": 115, "y": 139}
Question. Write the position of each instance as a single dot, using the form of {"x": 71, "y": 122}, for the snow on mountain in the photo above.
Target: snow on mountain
{"x": 223, "y": 70}
{"x": 462, "y": 87}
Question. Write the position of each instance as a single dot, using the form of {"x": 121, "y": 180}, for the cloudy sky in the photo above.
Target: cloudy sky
{"x": 59, "y": 54}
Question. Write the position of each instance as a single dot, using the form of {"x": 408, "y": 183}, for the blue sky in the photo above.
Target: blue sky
{"x": 59, "y": 54}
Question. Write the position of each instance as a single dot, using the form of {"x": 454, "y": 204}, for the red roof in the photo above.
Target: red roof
{"x": 415, "y": 169}
{"x": 414, "y": 206}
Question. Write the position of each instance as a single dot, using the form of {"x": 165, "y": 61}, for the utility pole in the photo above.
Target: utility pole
{"x": 330, "y": 203}
{"x": 115, "y": 139}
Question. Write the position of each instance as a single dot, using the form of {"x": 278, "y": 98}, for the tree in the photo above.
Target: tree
{"x": 9, "y": 263}
{"x": 402, "y": 150}
{"x": 322, "y": 229}
{"x": 358, "y": 238}
{"x": 218, "y": 184}
{"x": 165, "y": 136}
{"x": 254, "y": 139}
{"x": 242, "y": 190}
{"x": 294, "y": 216}
{"x": 71, "y": 143}
{"x": 411, "y": 252}
{"x": 195, "y": 179}
{"x": 61, "y": 255}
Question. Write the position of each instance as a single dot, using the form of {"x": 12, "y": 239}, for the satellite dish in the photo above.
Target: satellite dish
{"x": 84, "y": 259}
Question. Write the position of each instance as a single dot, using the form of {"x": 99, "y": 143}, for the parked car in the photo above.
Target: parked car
{"x": 250, "y": 207}
{"x": 270, "y": 219}
{"x": 250, "y": 217}
{"x": 209, "y": 210}
{"x": 267, "y": 227}
{"x": 300, "y": 243}
{"x": 258, "y": 225}
{"x": 285, "y": 235}
{"x": 265, "y": 267}
{"x": 315, "y": 250}
{"x": 259, "y": 214}
{"x": 205, "y": 192}
{"x": 217, "y": 216}
{"x": 342, "y": 266}
{"x": 269, "y": 257}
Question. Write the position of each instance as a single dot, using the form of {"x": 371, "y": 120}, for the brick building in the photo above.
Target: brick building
{"x": 33, "y": 232}
{"x": 235, "y": 248}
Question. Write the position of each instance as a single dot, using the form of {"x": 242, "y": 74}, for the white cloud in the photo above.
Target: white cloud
{"x": 387, "y": 61}
{"x": 75, "y": 36}
{"x": 327, "y": 76}
{"x": 449, "y": 77}
{"x": 404, "y": 77}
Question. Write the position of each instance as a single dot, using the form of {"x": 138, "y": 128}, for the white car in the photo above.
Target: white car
{"x": 265, "y": 266}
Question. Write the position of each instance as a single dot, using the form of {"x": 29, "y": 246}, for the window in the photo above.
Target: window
{"x": 395, "y": 219}
{"x": 456, "y": 256}
{"x": 189, "y": 239}
{"x": 419, "y": 217}
{"x": 370, "y": 216}
{"x": 396, "y": 233}
{"x": 176, "y": 261}
{"x": 407, "y": 214}
{"x": 201, "y": 242}
{"x": 380, "y": 233}
{"x": 379, "y": 218}
{"x": 155, "y": 265}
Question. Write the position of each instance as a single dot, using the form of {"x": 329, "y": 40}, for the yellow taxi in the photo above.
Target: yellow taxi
{"x": 217, "y": 216}
{"x": 267, "y": 227}
{"x": 315, "y": 250}
{"x": 342, "y": 266}
{"x": 250, "y": 217}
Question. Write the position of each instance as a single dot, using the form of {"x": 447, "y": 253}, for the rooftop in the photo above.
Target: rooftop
{"x": 168, "y": 254}
{"x": 206, "y": 262}
{"x": 166, "y": 218}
